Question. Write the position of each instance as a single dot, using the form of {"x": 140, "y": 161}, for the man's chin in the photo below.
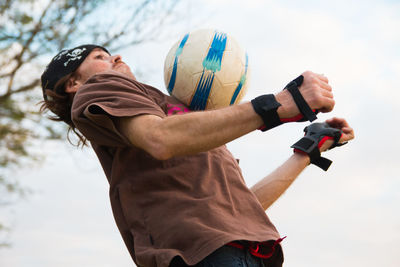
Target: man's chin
{"x": 130, "y": 74}
{"x": 125, "y": 70}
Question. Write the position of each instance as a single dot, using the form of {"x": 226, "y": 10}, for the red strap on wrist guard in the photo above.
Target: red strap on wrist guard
{"x": 316, "y": 134}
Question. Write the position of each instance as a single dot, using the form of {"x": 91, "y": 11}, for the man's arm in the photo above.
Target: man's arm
{"x": 189, "y": 133}
{"x": 269, "y": 189}
{"x": 195, "y": 132}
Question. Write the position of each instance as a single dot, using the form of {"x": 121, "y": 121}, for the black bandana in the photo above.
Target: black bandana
{"x": 64, "y": 63}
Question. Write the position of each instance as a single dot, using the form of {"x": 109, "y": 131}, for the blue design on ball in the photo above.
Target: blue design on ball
{"x": 213, "y": 59}
{"x": 211, "y": 64}
{"x": 241, "y": 83}
{"x": 174, "y": 70}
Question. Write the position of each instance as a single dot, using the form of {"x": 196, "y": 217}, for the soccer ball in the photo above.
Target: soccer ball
{"x": 207, "y": 69}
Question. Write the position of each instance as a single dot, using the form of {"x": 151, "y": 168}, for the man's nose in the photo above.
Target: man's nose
{"x": 116, "y": 59}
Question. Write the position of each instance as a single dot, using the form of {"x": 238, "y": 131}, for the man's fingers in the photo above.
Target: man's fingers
{"x": 326, "y": 93}
{"x": 348, "y": 133}
{"x": 322, "y": 77}
{"x": 317, "y": 92}
{"x": 328, "y": 105}
{"x": 337, "y": 122}
{"x": 325, "y": 86}
{"x": 346, "y": 138}
{"x": 310, "y": 75}
{"x": 347, "y": 130}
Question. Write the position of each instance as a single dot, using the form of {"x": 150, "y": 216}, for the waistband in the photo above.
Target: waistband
{"x": 262, "y": 250}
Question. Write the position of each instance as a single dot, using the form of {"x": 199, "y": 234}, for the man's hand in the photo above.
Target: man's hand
{"x": 316, "y": 92}
{"x": 320, "y": 137}
{"x": 341, "y": 124}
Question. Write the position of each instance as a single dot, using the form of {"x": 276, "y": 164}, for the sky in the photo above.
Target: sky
{"x": 347, "y": 216}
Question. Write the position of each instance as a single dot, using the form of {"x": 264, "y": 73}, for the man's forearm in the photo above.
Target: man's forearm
{"x": 270, "y": 188}
{"x": 189, "y": 133}
{"x": 201, "y": 131}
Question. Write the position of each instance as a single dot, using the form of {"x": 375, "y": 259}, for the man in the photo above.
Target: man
{"x": 177, "y": 194}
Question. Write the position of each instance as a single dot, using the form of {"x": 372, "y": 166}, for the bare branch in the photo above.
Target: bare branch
{"x": 25, "y": 47}
{"x": 24, "y": 88}
{"x": 4, "y": 7}
{"x": 6, "y": 37}
{"x": 137, "y": 22}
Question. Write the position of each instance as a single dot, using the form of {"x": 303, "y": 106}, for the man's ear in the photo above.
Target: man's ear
{"x": 73, "y": 84}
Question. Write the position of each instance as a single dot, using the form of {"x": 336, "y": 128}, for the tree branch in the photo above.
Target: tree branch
{"x": 5, "y": 6}
{"x": 25, "y": 47}
{"x": 24, "y": 88}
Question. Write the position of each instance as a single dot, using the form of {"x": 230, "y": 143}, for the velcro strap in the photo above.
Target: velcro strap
{"x": 307, "y": 145}
{"x": 310, "y": 147}
{"x": 266, "y": 106}
{"x": 316, "y": 135}
{"x": 322, "y": 162}
{"x": 304, "y": 108}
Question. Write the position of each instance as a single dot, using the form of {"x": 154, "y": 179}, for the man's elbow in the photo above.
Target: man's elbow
{"x": 159, "y": 149}
{"x": 144, "y": 133}
{"x": 161, "y": 153}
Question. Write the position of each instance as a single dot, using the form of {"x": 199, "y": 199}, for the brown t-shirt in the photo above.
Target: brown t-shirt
{"x": 186, "y": 206}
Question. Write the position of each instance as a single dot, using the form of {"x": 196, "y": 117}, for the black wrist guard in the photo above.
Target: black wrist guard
{"x": 304, "y": 108}
{"x": 315, "y": 137}
{"x": 266, "y": 106}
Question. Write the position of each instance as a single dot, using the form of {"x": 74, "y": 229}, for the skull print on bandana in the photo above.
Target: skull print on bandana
{"x": 74, "y": 55}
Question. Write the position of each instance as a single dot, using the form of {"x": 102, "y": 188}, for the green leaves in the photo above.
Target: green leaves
{"x": 25, "y": 19}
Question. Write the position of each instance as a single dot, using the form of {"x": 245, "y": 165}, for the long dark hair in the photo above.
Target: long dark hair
{"x": 60, "y": 104}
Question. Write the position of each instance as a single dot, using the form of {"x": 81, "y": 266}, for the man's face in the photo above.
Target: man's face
{"x": 100, "y": 61}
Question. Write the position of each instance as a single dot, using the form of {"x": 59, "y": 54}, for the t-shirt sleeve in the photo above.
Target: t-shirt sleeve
{"x": 106, "y": 97}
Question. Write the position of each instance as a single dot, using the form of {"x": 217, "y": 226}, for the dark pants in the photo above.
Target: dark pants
{"x": 225, "y": 256}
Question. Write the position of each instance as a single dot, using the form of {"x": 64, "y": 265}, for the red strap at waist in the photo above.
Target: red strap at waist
{"x": 262, "y": 250}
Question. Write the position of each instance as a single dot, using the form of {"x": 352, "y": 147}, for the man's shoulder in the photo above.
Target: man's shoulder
{"x": 114, "y": 87}
{"x": 114, "y": 78}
